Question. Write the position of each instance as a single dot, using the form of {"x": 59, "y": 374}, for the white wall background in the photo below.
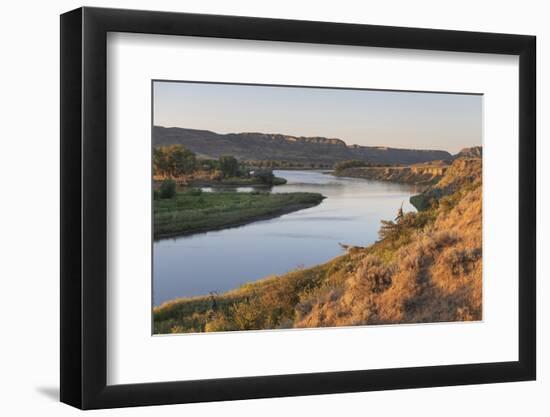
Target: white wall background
{"x": 29, "y": 213}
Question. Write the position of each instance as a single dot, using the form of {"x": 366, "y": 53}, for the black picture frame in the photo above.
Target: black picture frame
{"x": 84, "y": 207}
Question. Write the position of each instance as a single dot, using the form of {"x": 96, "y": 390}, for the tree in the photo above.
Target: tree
{"x": 229, "y": 166}
{"x": 388, "y": 229}
{"x": 182, "y": 160}
{"x": 209, "y": 164}
{"x": 265, "y": 176}
{"x": 403, "y": 222}
{"x": 167, "y": 189}
{"x": 173, "y": 161}
{"x": 160, "y": 162}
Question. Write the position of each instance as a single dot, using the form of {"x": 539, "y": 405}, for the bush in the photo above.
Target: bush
{"x": 265, "y": 176}
{"x": 156, "y": 195}
{"x": 372, "y": 276}
{"x": 167, "y": 188}
{"x": 248, "y": 314}
{"x": 219, "y": 323}
{"x": 461, "y": 261}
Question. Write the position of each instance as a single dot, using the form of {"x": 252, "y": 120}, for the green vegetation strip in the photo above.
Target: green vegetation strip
{"x": 192, "y": 212}
{"x": 238, "y": 182}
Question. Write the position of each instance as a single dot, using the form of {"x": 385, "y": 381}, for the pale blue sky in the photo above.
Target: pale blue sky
{"x": 365, "y": 117}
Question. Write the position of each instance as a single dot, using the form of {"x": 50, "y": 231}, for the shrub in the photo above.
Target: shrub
{"x": 248, "y": 314}
{"x": 167, "y": 188}
{"x": 372, "y": 276}
{"x": 388, "y": 229}
{"x": 446, "y": 203}
{"x": 461, "y": 261}
{"x": 440, "y": 239}
{"x": 219, "y": 323}
{"x": 265, "y": 176}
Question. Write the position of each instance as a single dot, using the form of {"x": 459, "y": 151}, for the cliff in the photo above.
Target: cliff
{"x": 415, "y": 174}
{"x": 462, "y": 166}
{"x": 463, "y": 173}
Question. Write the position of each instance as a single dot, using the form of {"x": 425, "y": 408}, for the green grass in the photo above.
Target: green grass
{"x": 189, "y": 213}
{"x": 237, "y": 182}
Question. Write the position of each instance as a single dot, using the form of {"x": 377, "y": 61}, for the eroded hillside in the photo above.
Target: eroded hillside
{"x": 420, "y": 174}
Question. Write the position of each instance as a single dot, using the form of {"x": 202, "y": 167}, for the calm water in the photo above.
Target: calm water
{"x": 222, "y": 260}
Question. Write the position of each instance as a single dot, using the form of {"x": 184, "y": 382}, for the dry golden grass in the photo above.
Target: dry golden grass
{"x": 435, "y": 277}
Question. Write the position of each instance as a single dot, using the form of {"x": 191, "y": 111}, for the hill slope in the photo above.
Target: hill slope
{"x": 262, "y": 146}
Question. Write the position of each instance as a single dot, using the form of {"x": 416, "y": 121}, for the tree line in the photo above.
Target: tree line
{"x": 175, "y": 161}
{"x": 355, "y": 163}
{"x": 270, "y": 163}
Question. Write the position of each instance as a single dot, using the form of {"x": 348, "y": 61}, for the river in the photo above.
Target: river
{"x": 224, "y": 259}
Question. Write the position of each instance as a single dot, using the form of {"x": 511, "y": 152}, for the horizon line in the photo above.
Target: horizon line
{"x": 324, "y": 137}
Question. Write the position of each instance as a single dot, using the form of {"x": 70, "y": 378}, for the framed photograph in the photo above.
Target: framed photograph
{"x": 257, "y": 208}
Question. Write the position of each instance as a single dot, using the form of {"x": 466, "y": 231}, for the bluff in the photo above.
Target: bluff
{"x": 462, "y": 166}
{"x": 421, "y": 174}
{"x": 255, "y": 146}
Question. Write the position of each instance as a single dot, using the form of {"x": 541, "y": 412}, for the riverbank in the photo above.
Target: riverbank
{"x": 426, "y": 267}
{"x": 191, "y": 212}
{"x": 422, "y": 174}
{"x": 236, "y": 182}
{"x": 206, "y": 181}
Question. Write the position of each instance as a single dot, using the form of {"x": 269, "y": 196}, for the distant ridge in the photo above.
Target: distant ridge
{"x": 267, "y": 146}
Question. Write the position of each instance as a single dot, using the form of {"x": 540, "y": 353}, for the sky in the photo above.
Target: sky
{"x": 396, "y": 119}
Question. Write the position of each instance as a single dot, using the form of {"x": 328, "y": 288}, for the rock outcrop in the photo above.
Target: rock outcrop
{"x": 473, "y": 152}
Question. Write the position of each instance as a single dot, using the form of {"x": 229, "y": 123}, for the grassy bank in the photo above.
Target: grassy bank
{"x": 193, "y": 212}
{"x": 426, "y": 267}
